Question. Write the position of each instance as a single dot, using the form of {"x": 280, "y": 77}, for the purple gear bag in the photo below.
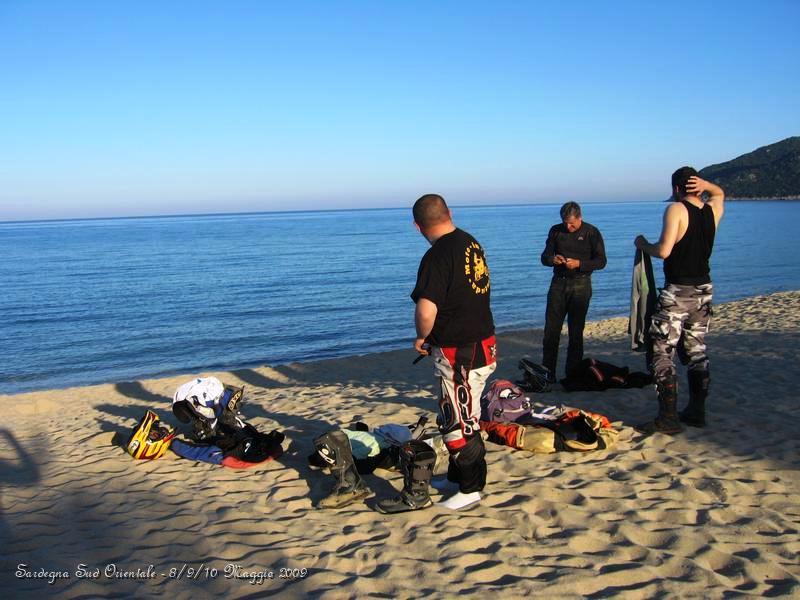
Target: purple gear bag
{"x": 504, "y": 402}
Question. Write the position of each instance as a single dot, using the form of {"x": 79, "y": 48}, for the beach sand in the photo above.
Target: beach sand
{"x": 707, "y": 513}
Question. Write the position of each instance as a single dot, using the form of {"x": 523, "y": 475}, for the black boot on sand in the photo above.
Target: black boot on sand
{"x": 694, "y": 414}
{"x": 417, "y": 460}
{"x": 667, "y": 419}
{"x": 334, "y": 449}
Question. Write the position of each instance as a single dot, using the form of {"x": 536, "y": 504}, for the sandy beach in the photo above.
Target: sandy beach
{"x": 705, "y": 514}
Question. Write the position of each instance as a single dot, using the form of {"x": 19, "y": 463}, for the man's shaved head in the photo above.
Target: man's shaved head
{"x": 430, "y": 210}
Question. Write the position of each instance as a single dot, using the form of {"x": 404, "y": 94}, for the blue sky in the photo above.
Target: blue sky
{"x": 133, "y": 108}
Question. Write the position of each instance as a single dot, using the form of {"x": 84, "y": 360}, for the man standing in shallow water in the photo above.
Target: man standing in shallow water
{"x": 454, "y": 325}
{"x": 683, "y": 310}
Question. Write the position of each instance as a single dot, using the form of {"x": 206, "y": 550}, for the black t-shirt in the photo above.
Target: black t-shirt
{"x": 454, "y": 275}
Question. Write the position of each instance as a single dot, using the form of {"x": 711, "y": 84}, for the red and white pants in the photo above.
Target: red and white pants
{"x": 462, "y": 373}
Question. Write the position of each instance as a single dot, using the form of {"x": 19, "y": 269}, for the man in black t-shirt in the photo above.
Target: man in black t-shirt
{"x": 454, "y": 325}
{"x": 574, "y": 249}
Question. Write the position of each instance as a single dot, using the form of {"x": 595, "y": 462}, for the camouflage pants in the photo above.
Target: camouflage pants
{"x": 681, "y": 320}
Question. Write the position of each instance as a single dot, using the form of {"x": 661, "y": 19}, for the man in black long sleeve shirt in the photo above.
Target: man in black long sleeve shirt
{"x": 574, "y": 249}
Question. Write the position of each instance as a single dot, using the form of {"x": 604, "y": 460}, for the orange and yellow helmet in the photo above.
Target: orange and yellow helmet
{"x": 150, "y": 439}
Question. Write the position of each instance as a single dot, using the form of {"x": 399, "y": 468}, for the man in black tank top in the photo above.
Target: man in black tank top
{"x": 683, "y": 311}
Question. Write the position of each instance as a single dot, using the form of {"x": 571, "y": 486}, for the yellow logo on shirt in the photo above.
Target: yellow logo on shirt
{"x": 476, "y": 269}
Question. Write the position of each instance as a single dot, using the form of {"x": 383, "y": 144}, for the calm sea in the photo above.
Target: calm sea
{"x": 90, "y": 301}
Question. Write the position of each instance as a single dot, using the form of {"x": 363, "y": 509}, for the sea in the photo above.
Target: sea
{"x": 109, "y": 300}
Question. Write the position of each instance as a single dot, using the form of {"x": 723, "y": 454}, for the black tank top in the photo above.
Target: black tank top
{"x": 687, "y": 264}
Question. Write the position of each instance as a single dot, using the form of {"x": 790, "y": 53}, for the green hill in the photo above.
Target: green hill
{"x": 769, "y": 172}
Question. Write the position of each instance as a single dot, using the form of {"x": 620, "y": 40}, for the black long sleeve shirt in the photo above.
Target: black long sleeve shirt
{"x": 585, "y": 244}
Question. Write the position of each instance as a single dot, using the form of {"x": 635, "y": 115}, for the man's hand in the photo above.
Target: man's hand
{"x": 421, "y": 346}
{"x": 559, "y": 260}
{"x": 572, "y": 263}
{"x": 697, "y": 186}
{"x": 639, "y": 242}
{"x": 716, "y": 195}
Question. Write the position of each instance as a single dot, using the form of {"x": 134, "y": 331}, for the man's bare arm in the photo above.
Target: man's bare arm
{"x": 424, "y": 318}
{"x": 716, "y": 195}
{"x": 669, "y": 233}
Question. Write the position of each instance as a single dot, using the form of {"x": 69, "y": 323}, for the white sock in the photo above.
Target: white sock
{"x": 460, "y": 500}
{"x": 444, "y": 485}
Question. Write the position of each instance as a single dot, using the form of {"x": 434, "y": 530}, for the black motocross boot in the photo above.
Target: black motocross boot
{"x": 334, "y": 449}
{"x": 667, "y": 419}
{"x": 694, "y": 414}
{"x": 417, "y": 460}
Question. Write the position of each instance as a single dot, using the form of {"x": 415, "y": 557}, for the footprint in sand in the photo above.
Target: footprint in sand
{"x": 714, "y": 487}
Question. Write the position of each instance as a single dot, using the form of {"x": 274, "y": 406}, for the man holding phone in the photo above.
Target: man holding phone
{"x": 574, "y": 249}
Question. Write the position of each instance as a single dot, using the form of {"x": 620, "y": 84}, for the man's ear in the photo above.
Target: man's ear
{"x": 417, "y": 226}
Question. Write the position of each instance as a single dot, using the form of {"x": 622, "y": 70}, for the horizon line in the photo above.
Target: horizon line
{"x": 306, "y": 211}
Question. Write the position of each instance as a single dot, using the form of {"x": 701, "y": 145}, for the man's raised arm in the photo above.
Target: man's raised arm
{"x": 716, "y": 195}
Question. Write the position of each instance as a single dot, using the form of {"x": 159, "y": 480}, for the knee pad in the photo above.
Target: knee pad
{"x": 202, "y": 428}
{"x": 183, "y": 411}
{"x": 473, "y": 451}
{"x": 334, "y": 449}
{"x": 468, "y": 467}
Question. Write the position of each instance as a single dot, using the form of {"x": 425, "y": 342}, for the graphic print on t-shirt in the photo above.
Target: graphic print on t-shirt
{"x": 475, "y": 268}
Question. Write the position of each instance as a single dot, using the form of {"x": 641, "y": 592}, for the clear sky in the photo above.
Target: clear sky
{"x": 160, "y": 107}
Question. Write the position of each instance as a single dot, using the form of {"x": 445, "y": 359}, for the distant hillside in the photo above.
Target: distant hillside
{"x": 769, "y": 172}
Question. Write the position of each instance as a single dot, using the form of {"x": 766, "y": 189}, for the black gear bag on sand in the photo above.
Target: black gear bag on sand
{"x": 593, "y": 375}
